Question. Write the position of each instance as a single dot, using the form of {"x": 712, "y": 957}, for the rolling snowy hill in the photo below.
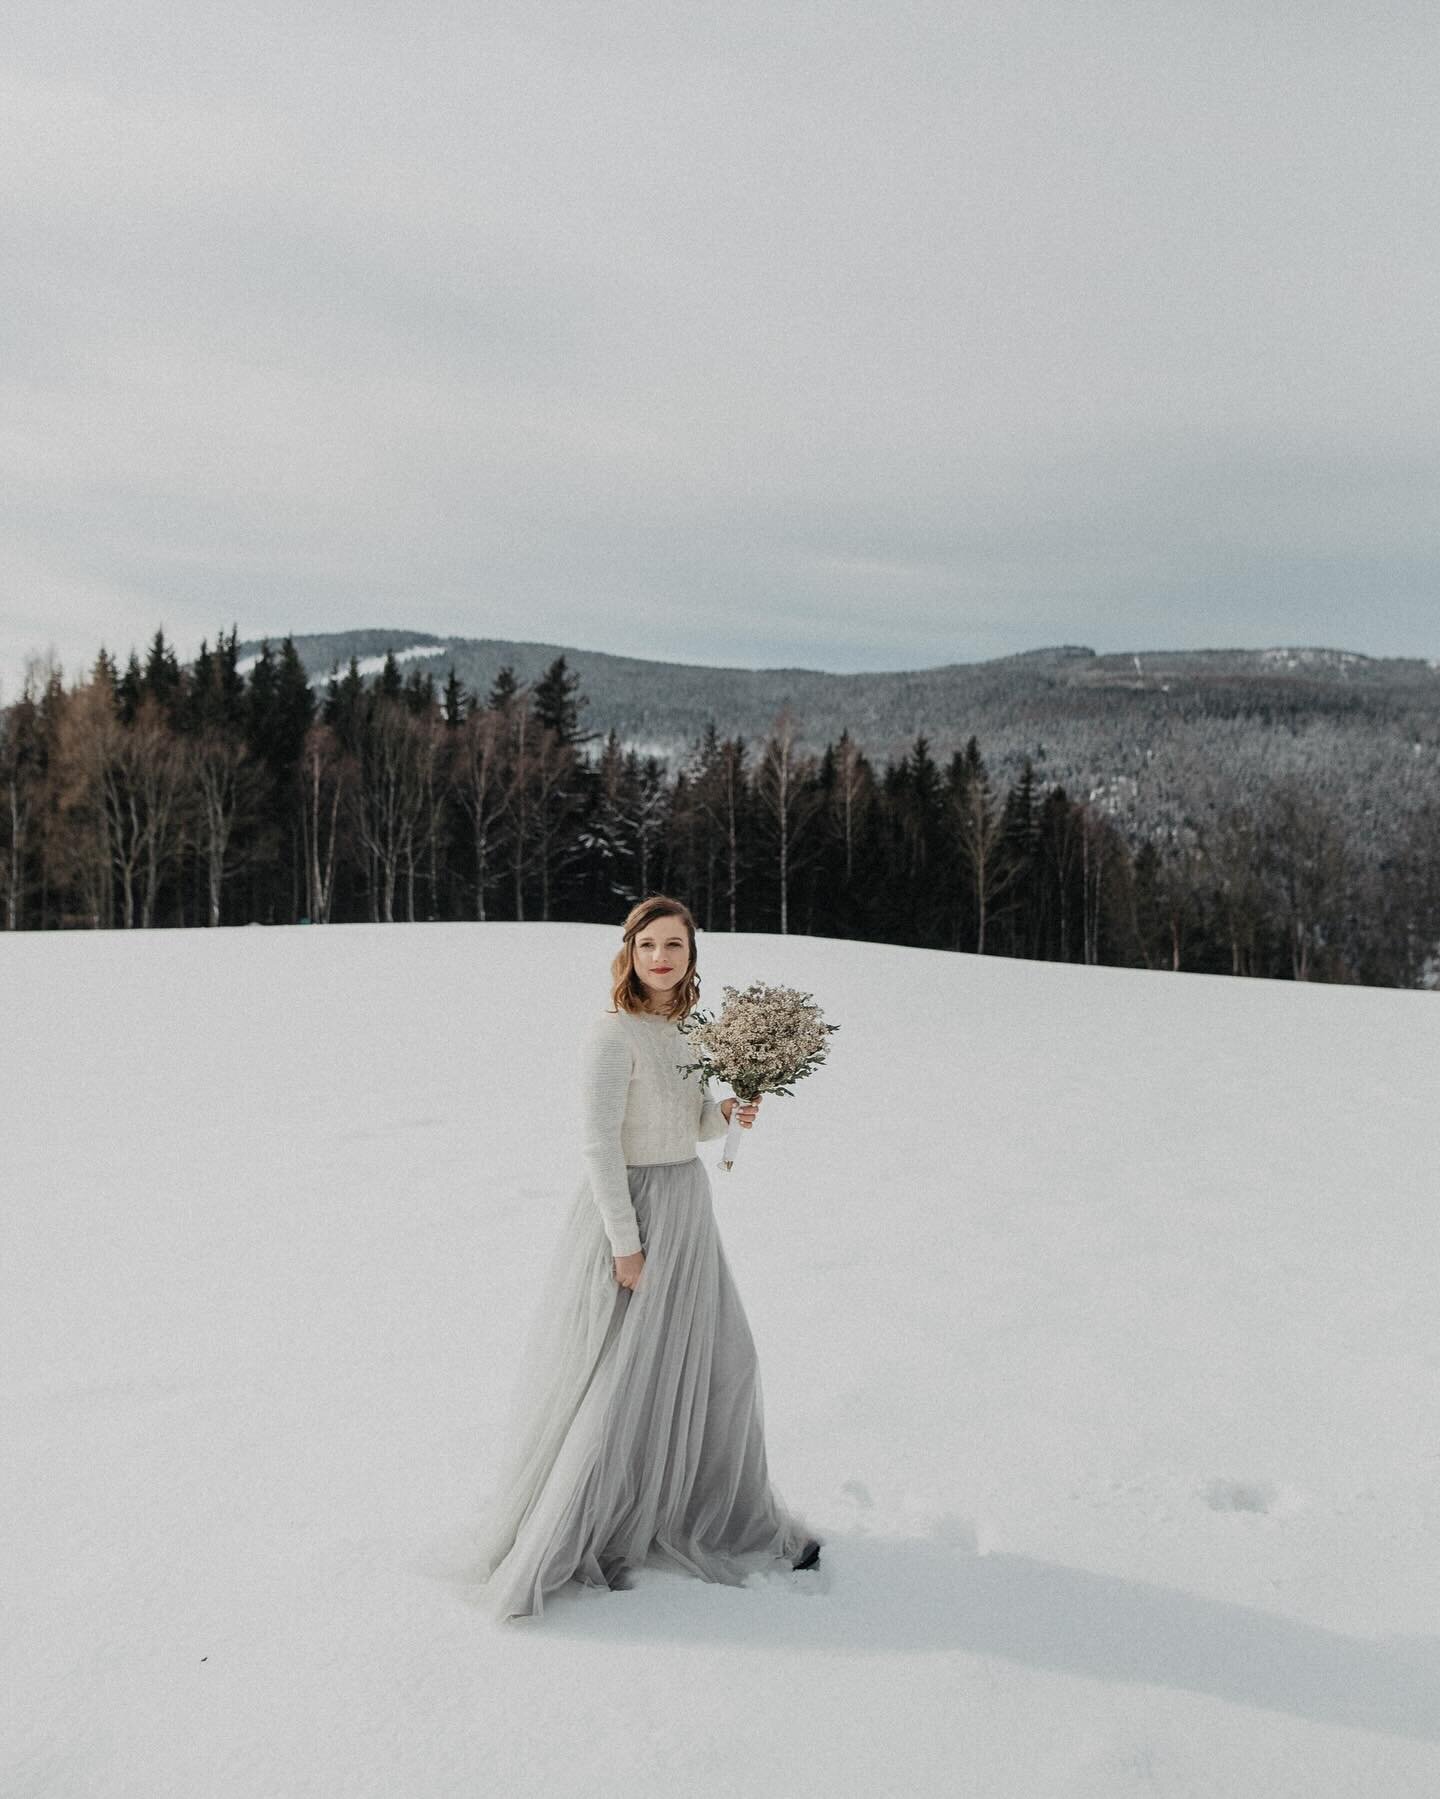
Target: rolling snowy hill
{"x": 1097, "y": 1318}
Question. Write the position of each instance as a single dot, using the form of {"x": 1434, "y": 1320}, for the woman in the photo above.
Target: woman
{"x": 638, "y": 1432}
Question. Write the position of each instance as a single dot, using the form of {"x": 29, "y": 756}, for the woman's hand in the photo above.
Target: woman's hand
{"x": 748, "y": 1110}
{"x": 627, "y": 1269}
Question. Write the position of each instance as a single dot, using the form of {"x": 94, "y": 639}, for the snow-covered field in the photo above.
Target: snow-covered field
{"x": 1098, "y": 1316}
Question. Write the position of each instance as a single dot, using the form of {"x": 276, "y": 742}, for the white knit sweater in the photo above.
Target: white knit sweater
{"x": 636, "y": 1107}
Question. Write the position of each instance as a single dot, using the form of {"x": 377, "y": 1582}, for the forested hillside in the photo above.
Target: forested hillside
{"x": 1263, "y": 813}
{"x": 1147, "y": 736}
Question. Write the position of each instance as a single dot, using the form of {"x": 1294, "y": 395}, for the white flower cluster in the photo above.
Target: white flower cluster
{"x": 764, "y": 1039}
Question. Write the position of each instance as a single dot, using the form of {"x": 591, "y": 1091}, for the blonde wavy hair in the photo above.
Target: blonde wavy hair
{"x": 628, "y": 993}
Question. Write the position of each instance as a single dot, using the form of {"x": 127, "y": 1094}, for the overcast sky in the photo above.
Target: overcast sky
{"x": 846, "y": 335}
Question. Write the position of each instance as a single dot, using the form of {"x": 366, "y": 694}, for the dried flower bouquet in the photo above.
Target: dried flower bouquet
{"x": 763, "y": 1041}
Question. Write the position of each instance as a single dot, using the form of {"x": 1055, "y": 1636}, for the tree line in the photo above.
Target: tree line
{"x": 210, "y": 793}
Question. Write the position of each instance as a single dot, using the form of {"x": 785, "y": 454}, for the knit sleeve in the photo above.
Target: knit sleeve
{"x": 605, "y": 1070}
{"x": 712, "y": 1119}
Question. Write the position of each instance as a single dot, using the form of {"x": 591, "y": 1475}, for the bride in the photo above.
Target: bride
{"x": 637, "y": 1433}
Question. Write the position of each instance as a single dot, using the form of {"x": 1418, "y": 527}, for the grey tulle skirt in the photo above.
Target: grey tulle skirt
{"x": 637, "y": 1432}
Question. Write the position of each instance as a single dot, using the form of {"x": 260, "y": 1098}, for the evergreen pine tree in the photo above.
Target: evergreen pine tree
{"x": 923, "y": 874}
{"x": 453, "y": 704}
{"x": 200, "y": 696}
{"x": 294, "y": 706}
{"x": 1019, "y": 843}
{"x": 163, "y": 681}
{"x": 260, "y": 699}
{"x": 215, "y": 689}
{"x": 558, "y": 703}
{"x": 608, "y": 835}
{"x": 503, "y": 690}
{"x": 229, "y": 680}
{"x": 130, "y": 690}
{"x": 419, "y": 694}
{"x": 345, "y": 706}
{"x": 1059, "y": 900}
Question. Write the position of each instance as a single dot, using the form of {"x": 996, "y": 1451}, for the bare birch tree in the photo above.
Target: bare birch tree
{"x": 478, "y": 778}
{"x": 157, "y": 771}
{"x": 327, "y": 776}
{"x": 850, "y": 799}
{"x": 80, "y": 848}
{"x": 649, "y": 803}
{"x": 1094, "y": 853}
{"x": 979, "y": 826}
{"x": 388, "y": 798}
{"x": 718, "y": 793}
{"x": 224, "y": 788}
{"x": 788, "y": 801}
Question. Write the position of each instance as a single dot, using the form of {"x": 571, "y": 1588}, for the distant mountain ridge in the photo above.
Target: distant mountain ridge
{"x": 663, "y": 706}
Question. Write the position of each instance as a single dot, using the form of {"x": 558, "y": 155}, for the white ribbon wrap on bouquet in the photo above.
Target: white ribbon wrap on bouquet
{"x": 732, "y": 1138}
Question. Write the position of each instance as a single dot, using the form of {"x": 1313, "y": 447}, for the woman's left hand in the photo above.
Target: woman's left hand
{"x": 748, "y": 1111}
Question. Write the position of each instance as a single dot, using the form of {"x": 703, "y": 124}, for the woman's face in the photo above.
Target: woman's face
{"x": 662, "y": 956}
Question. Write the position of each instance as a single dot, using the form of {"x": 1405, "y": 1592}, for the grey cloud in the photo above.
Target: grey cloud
{"x": 861, "y": 336}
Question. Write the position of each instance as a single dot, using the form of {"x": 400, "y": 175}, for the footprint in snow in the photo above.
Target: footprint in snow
{"x": 1262, "y": 1497}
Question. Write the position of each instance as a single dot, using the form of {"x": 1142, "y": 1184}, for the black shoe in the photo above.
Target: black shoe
{"x": 809, "y": 1556}
{"x": 618, "y": 1576}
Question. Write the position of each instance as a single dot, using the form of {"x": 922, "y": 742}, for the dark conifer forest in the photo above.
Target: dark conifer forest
{"x": 228, "y": 791}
